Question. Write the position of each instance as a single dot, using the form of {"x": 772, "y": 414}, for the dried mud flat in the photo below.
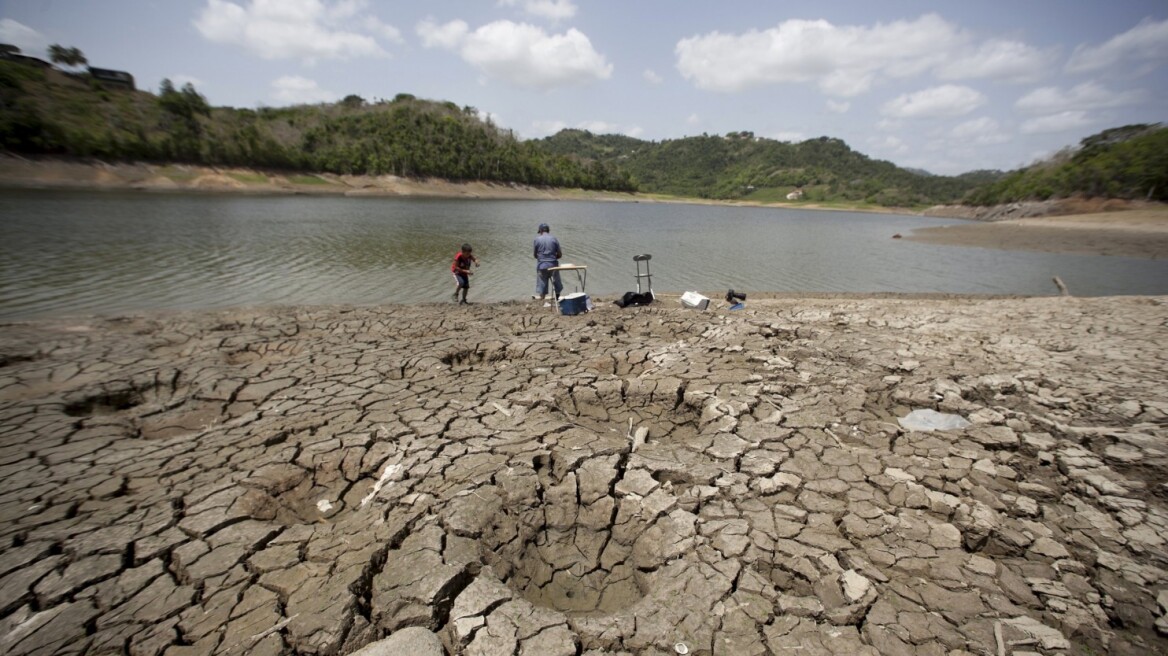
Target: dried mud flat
{"x": 503, "y": 480}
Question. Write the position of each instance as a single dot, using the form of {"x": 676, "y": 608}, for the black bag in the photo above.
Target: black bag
{"x": 634, "y": 299}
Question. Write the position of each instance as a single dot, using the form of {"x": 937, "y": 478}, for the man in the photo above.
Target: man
{"x": 547, "y": 255}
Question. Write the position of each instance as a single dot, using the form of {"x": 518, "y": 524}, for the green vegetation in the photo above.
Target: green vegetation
{"x": 49, "y": 112}
{"x": 740, "y": 166}
{"x": 56, "y": 113}
{"x": 1128, "y": 162}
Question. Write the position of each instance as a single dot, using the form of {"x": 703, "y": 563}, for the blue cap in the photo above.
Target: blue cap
{"x": 543, "y": 227}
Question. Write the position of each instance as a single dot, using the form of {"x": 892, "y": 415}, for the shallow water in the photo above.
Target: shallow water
{"x": 67, "y": 253}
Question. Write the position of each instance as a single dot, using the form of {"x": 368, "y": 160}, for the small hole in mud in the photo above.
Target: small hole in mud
{"x": 104, "y": 404}
{"x": 576, "y": 552}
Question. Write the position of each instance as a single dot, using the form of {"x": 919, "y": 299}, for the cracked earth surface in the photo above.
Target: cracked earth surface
{"x": 313, "y": 480}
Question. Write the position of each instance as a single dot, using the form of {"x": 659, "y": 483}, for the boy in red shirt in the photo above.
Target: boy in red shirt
{"x": 461, "y": 271}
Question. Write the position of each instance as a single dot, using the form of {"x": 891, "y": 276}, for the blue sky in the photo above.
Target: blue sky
{"x": 944, "y": 86}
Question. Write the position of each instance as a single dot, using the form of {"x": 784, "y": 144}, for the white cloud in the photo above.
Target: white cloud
{"x": 1086, "y": 96}
{"x": 1060, "y": 122}
{"x": 520, "y": 54}
{"x": 652, "y": 77}
{"x": 998, "y": 59}
{"x": 388, "y": 32}
{"x": 447, "y": 35}
{"x": 29, "y": 41}
{"x": 945, "y": 100}
{"x": 848, "y": 60}
{"x": 1146, "y": 43}
{"x": 693, "y": 120}
{"x": 179, "y": 80}
{"x": 983, "y": 131}
{"x": 839, "y": 107}
{"x": 296, "y": 29}
{"x": 296, "y": 90}
{"x": 789, "y": 135}
{"x": 889, "y": 144}
{"x": 553, "y": 10}
{"x": 842, "y": 60}
{"x": 545, "y": 128}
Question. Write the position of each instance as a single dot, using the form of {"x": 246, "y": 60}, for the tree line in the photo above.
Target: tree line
{"x": 1128, "y": 162}
{"x": 45, "y": 112}
{"x": 49, "y": 112}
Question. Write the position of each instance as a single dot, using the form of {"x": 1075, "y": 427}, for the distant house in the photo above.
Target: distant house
{"x": 113, "y": 78}
{"x": 795, "y": 195}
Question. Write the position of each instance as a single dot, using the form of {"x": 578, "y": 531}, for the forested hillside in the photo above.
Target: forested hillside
{"x": 45, "y": 111}
{"x": 742, "y": 166}
{"x": 1127, "y": 162}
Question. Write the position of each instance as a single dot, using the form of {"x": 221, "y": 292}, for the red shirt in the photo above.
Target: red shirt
{"x": 461, "y": 261}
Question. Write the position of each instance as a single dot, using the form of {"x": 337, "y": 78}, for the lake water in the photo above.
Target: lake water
{"x": 69, "y": 253}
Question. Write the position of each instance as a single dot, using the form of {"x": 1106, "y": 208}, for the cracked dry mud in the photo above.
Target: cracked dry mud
{"x": 312, "y": 480}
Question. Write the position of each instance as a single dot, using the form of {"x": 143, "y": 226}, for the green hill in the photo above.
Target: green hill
{"x": 45, "y": 111}
{"x": 1129, "y": 162}
{"x": 741, "y": 166}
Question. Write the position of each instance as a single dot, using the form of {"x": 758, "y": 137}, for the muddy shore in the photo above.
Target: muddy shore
{"x": 500, "y": 479}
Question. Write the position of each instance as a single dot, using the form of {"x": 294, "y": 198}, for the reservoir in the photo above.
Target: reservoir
{"x": 68, "y": 253}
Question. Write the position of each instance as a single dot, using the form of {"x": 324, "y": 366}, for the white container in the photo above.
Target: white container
{"x": 695, "y": 300}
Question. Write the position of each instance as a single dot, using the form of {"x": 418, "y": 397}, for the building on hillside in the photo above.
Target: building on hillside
{"x": 113, "y": 78}
{"x": 796, "y": 195}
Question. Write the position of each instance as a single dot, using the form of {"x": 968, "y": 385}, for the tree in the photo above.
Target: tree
{"x": 71, "y": 57}
{"x": 9, "y": 49}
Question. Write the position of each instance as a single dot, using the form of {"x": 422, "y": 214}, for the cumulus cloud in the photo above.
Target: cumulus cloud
{"x": 1085, "y": 96}
{"x": 652, "y": 77}
{"x": 843, "y": 60}
{"x": 998, "y": 59}
{"x": 1146, "y": 43}
{"x": 520, "y": 54}
{"x": 838, "y": 106}
{"x": 1061, "y": 122}
{"x": 296, "y": 29}
{"x": 983, "y": 131}
{"x": 945, "y": 100}
{"x": 553, "y": 10}
{"x": 847, "y": 60}
{"x": 889, "y": 144}
{"x": 22, "y": 36}
{"x": 446, "y": 35}
{"x": 296, "y": 90}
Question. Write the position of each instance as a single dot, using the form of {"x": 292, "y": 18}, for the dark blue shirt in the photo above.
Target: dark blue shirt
{"x": 547, "y": 248}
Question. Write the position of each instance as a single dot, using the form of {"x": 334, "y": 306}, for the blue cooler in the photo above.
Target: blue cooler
{"x": 574, "y": 303}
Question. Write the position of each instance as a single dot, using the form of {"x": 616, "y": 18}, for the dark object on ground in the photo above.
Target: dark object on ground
{"x": 634, "y": 299}
{"x": 734, "y": 297}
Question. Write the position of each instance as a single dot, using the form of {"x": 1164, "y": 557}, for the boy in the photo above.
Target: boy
{"x": 461, "y": 270}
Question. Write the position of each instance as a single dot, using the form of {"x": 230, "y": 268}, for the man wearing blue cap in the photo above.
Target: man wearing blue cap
{"x": 547, "y": 255}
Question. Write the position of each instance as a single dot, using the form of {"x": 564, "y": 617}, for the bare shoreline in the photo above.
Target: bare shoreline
{"x": 1141, "y": 233}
